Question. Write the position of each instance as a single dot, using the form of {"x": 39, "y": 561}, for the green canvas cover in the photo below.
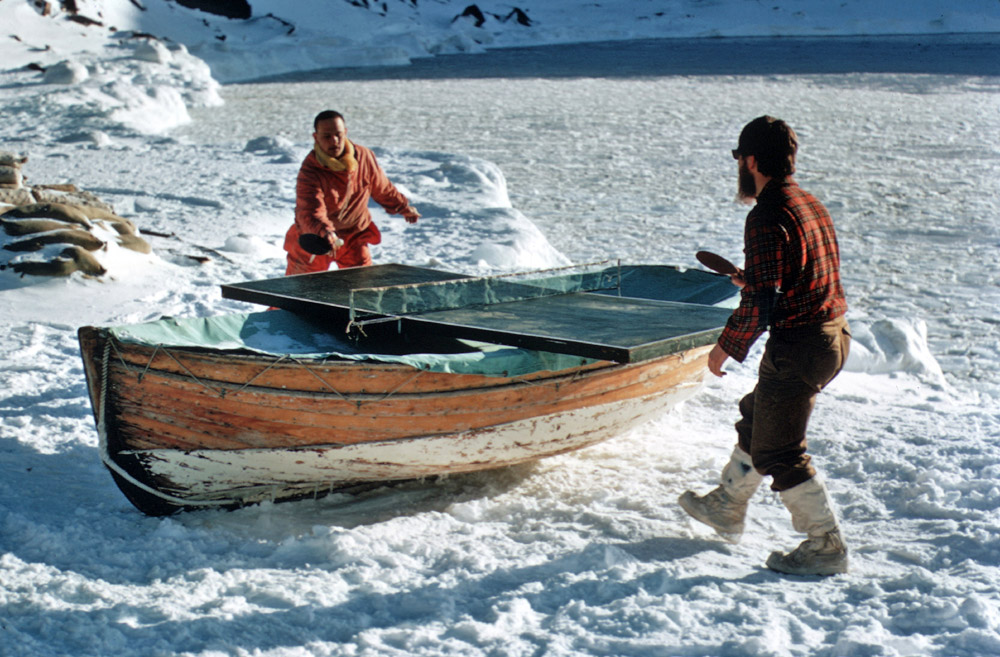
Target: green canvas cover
{"x": 283, "y": 333}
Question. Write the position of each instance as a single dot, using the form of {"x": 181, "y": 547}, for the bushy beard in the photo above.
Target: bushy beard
{"x": 747, "y": 192}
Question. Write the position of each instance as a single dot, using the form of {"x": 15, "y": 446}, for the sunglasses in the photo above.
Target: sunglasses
{"x": 736, "y": 154}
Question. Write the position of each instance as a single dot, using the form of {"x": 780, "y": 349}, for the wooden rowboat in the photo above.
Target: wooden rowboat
{"x": 187, "y": 422}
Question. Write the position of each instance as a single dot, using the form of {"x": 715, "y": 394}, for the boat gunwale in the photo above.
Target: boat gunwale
{"x": 459, "y": 380}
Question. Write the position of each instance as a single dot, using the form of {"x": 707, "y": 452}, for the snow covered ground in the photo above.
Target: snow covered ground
{"x": 585, "y": 554}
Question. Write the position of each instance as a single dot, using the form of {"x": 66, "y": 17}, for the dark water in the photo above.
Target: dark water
{"x": 958, "y": 54}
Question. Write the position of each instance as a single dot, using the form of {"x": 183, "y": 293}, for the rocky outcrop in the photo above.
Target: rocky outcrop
{"x": 57, "y": 230}
{"x": 228, "y": 8}
{"x": 478, "y": 17}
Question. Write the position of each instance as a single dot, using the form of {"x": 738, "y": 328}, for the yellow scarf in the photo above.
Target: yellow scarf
{"x": 347, "y": 161}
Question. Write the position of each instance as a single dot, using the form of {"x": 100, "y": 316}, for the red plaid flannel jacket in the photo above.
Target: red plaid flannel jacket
{"x": 792, "y": 268}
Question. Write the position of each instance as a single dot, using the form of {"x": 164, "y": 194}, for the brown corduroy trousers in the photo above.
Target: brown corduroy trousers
{"x": 797, "y": 364}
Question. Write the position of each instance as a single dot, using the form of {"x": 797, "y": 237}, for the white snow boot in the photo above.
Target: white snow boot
{"x": 823, "y": 552}
{"x": 725, "y": 508}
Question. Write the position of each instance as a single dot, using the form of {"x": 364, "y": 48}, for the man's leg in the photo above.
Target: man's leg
{"x": 823, "y": 552}
{"x": 792, "y": 373}
{"x": 308, "y": 265}
{"x": 776, "y": 414}
{"x": 744, "y": 426}
{"x": 355, "y": 251}
{"x": 724, "y": 508}
{"x": 353, "y": 255}
{"x": 781, "y": 407}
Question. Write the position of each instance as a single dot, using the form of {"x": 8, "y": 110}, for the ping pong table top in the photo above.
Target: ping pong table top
{"x": 587, "y": 324}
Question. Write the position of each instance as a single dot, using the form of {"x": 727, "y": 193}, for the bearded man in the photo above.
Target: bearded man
{"x": 335, "y": 182}
{"x": 791, "y": 288}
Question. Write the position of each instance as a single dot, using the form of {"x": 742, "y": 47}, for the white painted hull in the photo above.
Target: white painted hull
{"x": 233, "y": 477}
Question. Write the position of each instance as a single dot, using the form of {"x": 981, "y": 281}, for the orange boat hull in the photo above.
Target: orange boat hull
{"x": 185, "y": 428}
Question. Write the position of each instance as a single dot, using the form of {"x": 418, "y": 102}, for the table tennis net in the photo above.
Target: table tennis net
{"x": 375, "y": 303}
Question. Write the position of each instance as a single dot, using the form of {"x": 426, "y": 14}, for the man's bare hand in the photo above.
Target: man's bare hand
{"x": 716, "y": 358}
{"x": 335, "y": 242}
{"x": 410, "y": 214}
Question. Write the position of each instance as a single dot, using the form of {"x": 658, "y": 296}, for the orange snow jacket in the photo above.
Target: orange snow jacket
{"x": 327, "y": 200}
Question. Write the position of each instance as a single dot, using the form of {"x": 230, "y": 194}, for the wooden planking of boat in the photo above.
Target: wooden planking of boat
{"x": 277, "y": 405}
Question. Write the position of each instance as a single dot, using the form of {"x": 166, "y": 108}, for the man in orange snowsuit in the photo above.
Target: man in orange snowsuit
{"x": 335, "y": 182}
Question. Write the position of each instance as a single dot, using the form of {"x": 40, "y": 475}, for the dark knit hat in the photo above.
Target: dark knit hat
{"x": 772, "y": 142}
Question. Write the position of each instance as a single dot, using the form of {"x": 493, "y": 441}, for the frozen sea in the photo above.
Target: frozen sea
{"x": 526, "y": 159}
{"x": 612, "y": 155}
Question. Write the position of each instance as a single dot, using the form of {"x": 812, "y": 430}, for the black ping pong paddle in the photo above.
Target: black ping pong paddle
{"x": 715, "y": 262}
